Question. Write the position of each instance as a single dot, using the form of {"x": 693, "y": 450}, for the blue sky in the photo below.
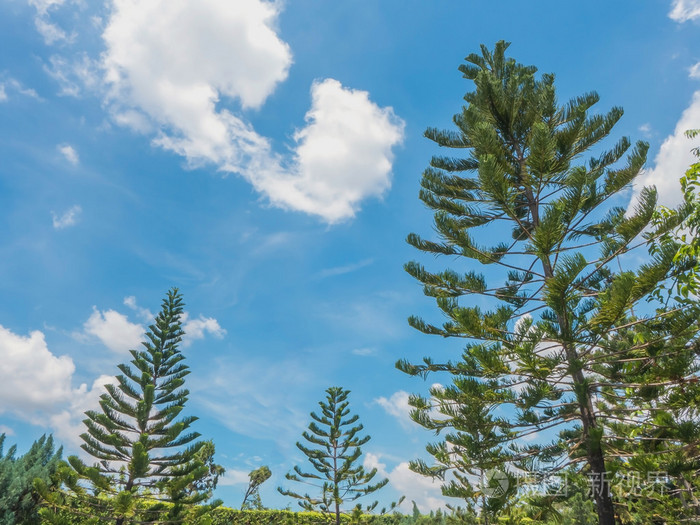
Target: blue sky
{"x": 265, "y": 158}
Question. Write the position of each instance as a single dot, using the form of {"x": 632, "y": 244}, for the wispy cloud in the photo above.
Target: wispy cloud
{"x": 254, "y": 396}
{"x": 69, "y": 153}
{"x": 12, "y": 85}
{"x": 365, "y": 351}
{"x": 347, "y": 268}
{"x": 685, "y": 10}
{"x": 67, "y": 218}
{"x": 694, "y": 71}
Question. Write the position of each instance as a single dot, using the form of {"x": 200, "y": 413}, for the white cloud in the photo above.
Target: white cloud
{"x": 672, "y": 160}
{"x": 255, "y": 396}
{"x": 684, "y": 10}
{"x": 48, "y": 30}
{"x": 144, "y": 313}
{"x": 36, "y": 386}
{"x": 398, "y": 407}
{"x": 14, "y": 85}
{"x": 347, "y": 268}
{"x": 68, "y": 423}
{"x": 32, "y": 379}
{"x": 114, "y": 330}
{"x": 230, "y": 52}
{"x": 694, "y": 71}
{"x": 4, "y": 429}
{"x": 74, "y": 76}
{"x": 234, "y": 477}
{"x": 364, "y": 351}
{"x": 425, "y": 491}
{"x": 198, "y": 328}
{"x": 343, "y": 155}
{"x": 646, "y": 129}
{"x": 43, "y": 6}
{"x": 69, "y": 153}
{"x": 51, "y": 32}
{"x": 68, "y": 218}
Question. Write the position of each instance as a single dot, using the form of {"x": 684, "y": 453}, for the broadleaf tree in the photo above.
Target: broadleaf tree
{"x": 151, "y": 468}
{"x": 251, "y": 498}
{"x": 562, "y": 327}
{"x": 334, "y": 452}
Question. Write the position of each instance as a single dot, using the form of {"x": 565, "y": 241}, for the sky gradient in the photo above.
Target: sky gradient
{"x": 265, "y": 158}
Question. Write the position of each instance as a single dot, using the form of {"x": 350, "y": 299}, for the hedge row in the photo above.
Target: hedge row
{"x": 226, "y": 516}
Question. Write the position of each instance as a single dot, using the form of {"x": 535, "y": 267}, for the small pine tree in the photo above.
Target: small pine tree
{"x": 334, "y": 458}
{"x": 150, "y": 467}
{"x": 19, "y": 502}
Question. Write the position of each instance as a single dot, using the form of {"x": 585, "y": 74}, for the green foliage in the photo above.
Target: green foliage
{"x": 569, "y": 360}
{"x": 19, "y": 503}
{"x": 225, "y": 516}
{"x": 150, "y": 466}
{"x": 251, "y": 499}
{"x": 338, "y": 474}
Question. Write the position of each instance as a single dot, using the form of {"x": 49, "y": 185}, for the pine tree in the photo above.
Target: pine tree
{"x": 19, "y": 503}
{"x": 563, "y": 345}
{"x": 335, "y": 458}
{"x": 150, "y": 466}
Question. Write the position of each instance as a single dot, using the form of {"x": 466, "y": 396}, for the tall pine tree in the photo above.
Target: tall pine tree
{"x": 150, "y": 466}
{"x": 560, "y": 340}
{"x": 334, "y": 455}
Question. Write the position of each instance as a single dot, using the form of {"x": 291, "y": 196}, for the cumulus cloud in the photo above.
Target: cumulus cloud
{"x": 67, "y": 424}
{"x": 398, "y": 407}
{"x": 426, "y": 492}
{"x": 684, "y": 10}
{"x": 114, "y": 330}
{"x": 69, "y": 153}
{"x": 234, "y": 477}
{"x": 170, "y": 65}
{"x": 672, "y": 160}
{"x": 32, "y": 379}
{"x": 198, "y": 328}
{"x": 67, "y": 218}
{"x": 36, "y": 386}
{"x": 343, "y": 155}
